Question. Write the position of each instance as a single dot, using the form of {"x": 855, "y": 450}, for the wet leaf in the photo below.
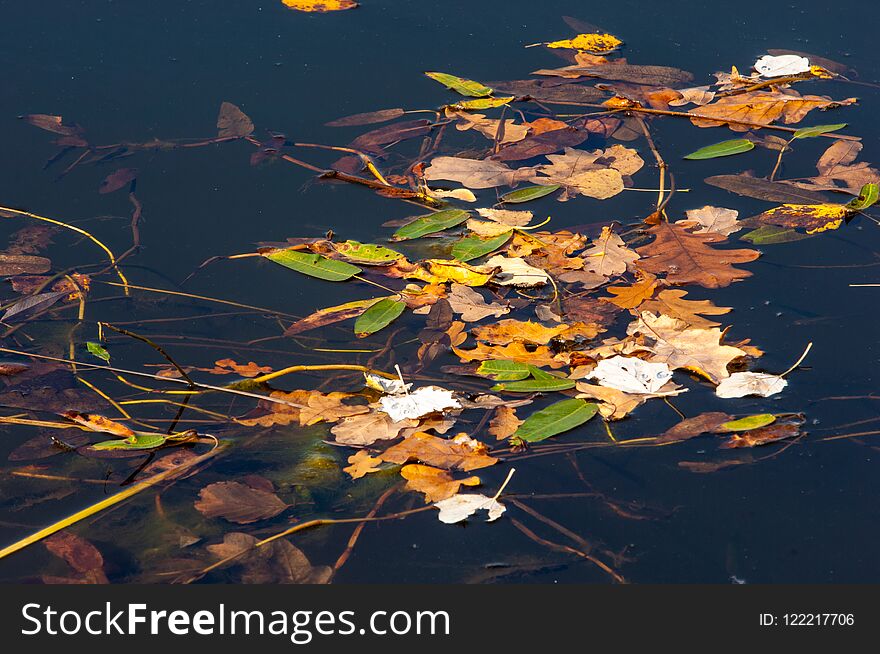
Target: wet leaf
{"x": 596, "y": 43}
{"x": 137, "y": 442}
{"x": 94, "y": 422}
{"x": 753, "y": 187}
{"x": 320, "y": 6}
{"x": 278, "y": 562}
{"x": 818, "y": 130}
{"x": 461, "y": 507}
{"x": 98, "y": 350}
{"x": 474, "y": 173}
{"x": 419, "y": 403}
{"x": 671, "y": 302}
{"x": 53, "y": 124}
{"x": 723, "y": 149}
{"x": 771, "y": 234}
{"x": 362, "y": 464}
{"x": 367, "y": 253}
{"x": 631, "y": 375}
{"x": 18, "y": 264}
{"x": 461, "y": 85}
{"x": 460, "y": 453}
{"x": 330, "y": 315}
{"x": 436, "y": 484}
{"x": 748, "y": 423}
{"x": 80, "y": 555}
{"x": 555, "y": 419}
{"x": 782, "y": 65}
{"x": 813, "y": 218}
{"x": 378, "y": 317}
{"x": 514, "y": 271}
{"x": 232, "y": 121}
{"x": 367, "y": 118}
{"x": 228, "y": 366}
{"x": 528, "y": 194}
{"x": 504, "y": 423}
{"x": 535, "y": 386}
{"x": 430, "y": 224}
{"x": 238, "y": 502}
{"x": 741, "y": 384}
{"x": 367, "y": 428}
{"x": 868, "y": 196}
{"x": 713, "y": 219}
{"x": 760, "y": 107}
{"x": 691, "y": 427}
{"x": 33, "y": 304}
{"x": 471, "y": 305}
{"x": 762, "y": 436}
{"x": 474, "y": 247}
{"x": 314, "y": 265}
{"x": 544, "y": 143}
{"x": 501, "y": 370}
{"x": 118, "y": 179}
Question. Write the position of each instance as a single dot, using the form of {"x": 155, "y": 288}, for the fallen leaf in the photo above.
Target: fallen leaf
{"x": 507, "y": 217}
{"x": 713, "y": 219}
{"x": 631, "y": 375}
{"x": 362, "y": 464}
{"x": 511, "y": 132}
{"x": 237, "y": 502}
{"x": 509, "y": 331}
{"x": 741, "y": 384}
{"x": 600, "y": 43}
{"x": 232, "y": 121}
{"x": 329, "y": 408}
{"x": 80, "y": 555}
{"x": 504, "y": 423}
{"x": 460, "y": 453}
{"x": 367, "y": 118}
{"x": 674, "y": 342}
{"x": 543, "y": 143}
{"x": 461, "y": 507}
{"x": 696, "y": 426}
{"x": 782, "y": 65}
{"x": 687, "y": 257}
{"x": 760, "y": 108}
{"x": 471, "y": 305}
{"x": 366, "y": 429}
{"x": 514, "y": 271}
{"x": 613, "y": 404}
{"x": 630, "y": 297}
{"x": 555, "y": 419}
{"x": 608, "y": 256}
{"x": 436, "y": 484}
{"x": 813, "y": 218}
{"x": 762, "y": 436}
{"x": 671, "y": 302}
{"x": 275, "y": 562}
{"x": 418, "y": 403}
{"x": 762, "y": 189}
{"x": 17, "y": 264}
{"x": 94, "y": 422}
{"x": 461, "y": 85}
{"x": 228, "y": 366}
{"x": 116, "y": 180}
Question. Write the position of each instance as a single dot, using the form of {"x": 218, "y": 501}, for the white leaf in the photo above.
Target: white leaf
{"x": 460, "y": 507}
{"x": 631, "y": 375}
{"x": 516, "y": 272}
{"x": 782, "y": 65}
{"x": 740, "y": 384}
{"x": 390, "y": 386}
{"x": 419, "y": 403}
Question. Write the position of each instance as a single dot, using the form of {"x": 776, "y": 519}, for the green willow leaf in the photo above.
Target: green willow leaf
{"x": 461, "y": 85}
{"x": 482, "y": 103}
{"x": 430, "y": 224}
{"x": 98, "y": 350}
{"x": 140, "y": 442}
{"x": 502, "y": 370}
{"x": 771, "y": 234}
{"x": 535, "y": 385}
{"x": 555, "y": 419}
{"x": 367, "y": 253}
{"x": 378, "y": 316}
{"x": 529, "y": 193}
{"x": 474, "y": 247}
{"x": 314, "y": 265}
{"x": 723, "y": 149}
{"x": 818, "y": 130}
{"x": 868, "y": 197}
{"x": 749, "y": 422}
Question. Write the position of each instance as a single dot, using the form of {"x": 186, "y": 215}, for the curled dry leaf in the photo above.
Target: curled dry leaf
{"x": 228, "y": 366}
{"x": 760, "y": 108}
{"x": 436, "y": 484}
{"x": 238, "y": 502}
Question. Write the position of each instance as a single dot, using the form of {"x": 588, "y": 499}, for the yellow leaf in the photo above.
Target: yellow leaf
{"x": 812, "y": 217}
{"x": 321, "y": 6}
{"x": 589, "y": 43}
{"x": 362, "y": 464}
{"x": 438, "y": 271}
{"x": 436, "y": 484}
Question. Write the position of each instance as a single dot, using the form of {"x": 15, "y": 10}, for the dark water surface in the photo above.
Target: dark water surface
{"x": 136, "y": 71}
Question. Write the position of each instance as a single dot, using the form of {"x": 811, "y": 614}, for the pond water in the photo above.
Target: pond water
{"x": 803, "y": 511}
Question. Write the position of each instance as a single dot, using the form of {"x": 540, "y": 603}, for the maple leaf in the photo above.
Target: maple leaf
{"x": 329, "y": 408}
{"x": 761, "y": 108}
{"x": 630, "y": 297}
{"x": 687, "y": 258}
{"x": 460, "y": 453}
{"x": 671, "y": 302}
{"x": 436, "y": 484}
{"x": 510, "y": 133}
{"x": 675, "y": 343}
{"x": 539, "y": 356}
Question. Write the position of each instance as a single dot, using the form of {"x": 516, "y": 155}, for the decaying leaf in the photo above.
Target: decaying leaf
{"x": 419, "y": 403}
{"x": 761, "y": 108}
{"x": 671, "y": 302}
{"x": 782, "y": 65}
{"x": 367, "y": 428}
{"x": 631, "y": 375}
{"x": 696, "y": 426}
{"x": 713, "y": 219}
{"x": 320, "y": 6}
{"x": 79, "y": 554}
{"x": 504, "y": 423}
{"x": 232, "y": 121}
{"x": 460, "y": 507}
{"x": 741, "y": 384}
{"x": 94, "y": 422}
{"x": 514, "y": 271}
{"x": 278, "y": 562}
{"x": 813, "y": 218}
{"x": 238, "y": 502}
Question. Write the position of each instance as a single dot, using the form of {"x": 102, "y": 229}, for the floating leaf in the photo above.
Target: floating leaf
{"x": 535, "y": 385}
{"x": 596, "y": 43}
{"x": 741, "y": 384}
{"x": 723, "y": 149}
{"x": 232, "y": 121}
{"x": 771, "y": 234}
{"x": 314, "y": 265}
{"x": 748, "y": 423}
{"x": 461, "y": 85}
{"x": 482, "y": 103}
{"x": 436, "y": 484}
{"x": 501, "y": 370}
{"x": 18, "y": 264}
{"x": 528, "y": 194}
{"x": 430, "y": 224}
{"x": 474, "y": 247}
{"x": 98, "y": 350}
{"x": 813, "y": 218}
{"x": 378, "y": 316}
{"x": 139, "y": 441}
{"x": 419, "y": 403}
{"x": 461, "y": 507}
{"x": 367, "y": 253}
{"x": 116, "y": 180}
{"x": 555, "y": 419}
{"x": 367, "y": 118}
{"x": 782, "y": 65}
{"x": 320, "y": 6}
{"x": 471, "y": 305}
{"x": 868, "y": 197}
{"x": 818, "y": 130}
{"x": 460, "y": 453}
